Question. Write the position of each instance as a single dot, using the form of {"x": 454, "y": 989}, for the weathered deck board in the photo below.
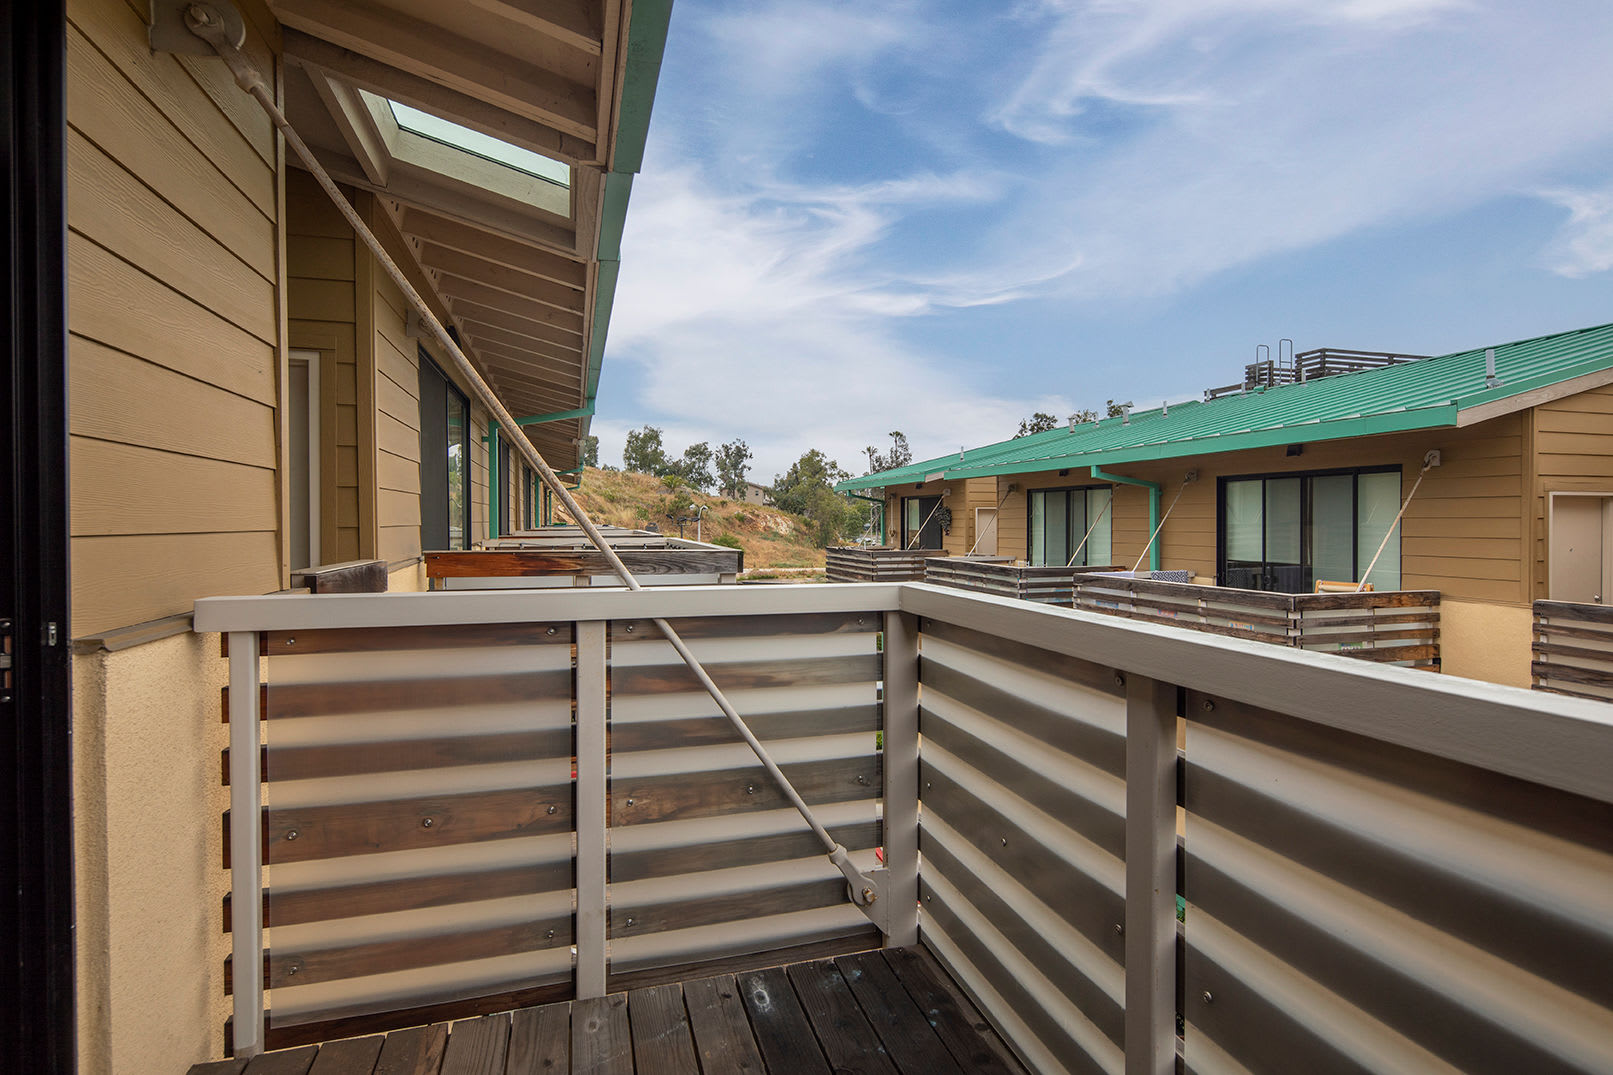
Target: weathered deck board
{"x": 877, "y": 1011}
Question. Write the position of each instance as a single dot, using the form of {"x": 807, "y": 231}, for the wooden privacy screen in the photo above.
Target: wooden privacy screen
{"x": 1392, "y": 627}
{"x": 418, "y": 818}
{"x": 855, "y": 563}
{"x": 1357, "y": 905}
{"x": 1574, "y": 649}
{"x": 1023, "y": 840}
{"x": 707, "y": 860}
{"x": 999, "y": 575}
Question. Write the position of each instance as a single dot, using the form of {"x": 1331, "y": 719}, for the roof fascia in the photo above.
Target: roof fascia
{"x": 1397, "y": 422}
{"x": 1534, "y": 397}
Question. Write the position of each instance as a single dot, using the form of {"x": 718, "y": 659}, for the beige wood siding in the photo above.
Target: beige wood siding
{"x": 175, "y": 347}
{"x": 397, "y": 426}
{"x": 320, "y": 285}
{"x": 478, "y": 474}
{"x": 1462, "y": 535}
{"x": 1573, "y": 452}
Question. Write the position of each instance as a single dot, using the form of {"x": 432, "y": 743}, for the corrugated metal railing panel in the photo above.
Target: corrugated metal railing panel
{"x": 1573, "y": 649}
{"x": 707, "y": 861}
{"x": 418, "y": 819}
{"x": 1358, "y": 906}
{"x": 1023, "y": 840}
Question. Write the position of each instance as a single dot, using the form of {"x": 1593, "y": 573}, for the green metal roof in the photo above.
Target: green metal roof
{"x": 1429, "y": 394}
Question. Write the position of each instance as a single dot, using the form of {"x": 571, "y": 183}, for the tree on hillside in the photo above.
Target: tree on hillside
{"x": 732, "y": 465}
{"x": 806, "y": 490}
{"x": 590, "y": 451}
{"x": 694, "y": 466}
{"x": 898, "y": 456}
{"x": 678, "y": 507}
{"x": 644, "y": 453}
{"x": 1040, "y": 422}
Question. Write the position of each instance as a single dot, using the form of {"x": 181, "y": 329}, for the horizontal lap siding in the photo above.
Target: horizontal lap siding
{"x": 1463, "y": 534}
{"x": 397, "y": 428}
{"x": 321, "y": 307}
{"x": 1573, "y": 453}
{"x": 172, "y": 269}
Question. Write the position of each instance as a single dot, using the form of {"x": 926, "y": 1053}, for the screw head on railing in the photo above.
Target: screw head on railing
{"x": 1120, "y": 680}
{"x": 869, "y": 895}
{"x": 292, "y": 834}
{"x": 1120, "y": 930}
{"x": 630, "y": 802}
{"x": 553, "y": 808}
{"x": 630, "y": 921}
{"x": 548, "y": 935}
{"x": 861, "y": 779}
{"x": 1208, "y": 996}
{"x": 1209, "y": 706}
{"x": 1005, "y": 841}
{"x": 426, "y": 823}
{"x": 550, "y": 631}
{"x": 294, "y": 968}
{"x": 291, "y": 641}
{"x": 750, "y": 789}
{"x": 629, "y": 628}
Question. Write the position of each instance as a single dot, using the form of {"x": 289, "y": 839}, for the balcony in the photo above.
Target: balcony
{"x": 1124, "y": 843}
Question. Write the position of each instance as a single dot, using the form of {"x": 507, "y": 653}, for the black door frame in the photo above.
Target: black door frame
{"x": 36, "y": 914}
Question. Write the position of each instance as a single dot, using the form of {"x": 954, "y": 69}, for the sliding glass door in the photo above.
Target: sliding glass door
{"x": 1062, "y": 519}
{"x": 1288, "y": 532}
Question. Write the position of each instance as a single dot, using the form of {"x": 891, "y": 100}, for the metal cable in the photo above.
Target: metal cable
{"x": 206, "y": 24}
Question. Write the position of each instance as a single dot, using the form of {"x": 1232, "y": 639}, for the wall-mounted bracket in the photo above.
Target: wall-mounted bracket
{"x": 172, "y": 23}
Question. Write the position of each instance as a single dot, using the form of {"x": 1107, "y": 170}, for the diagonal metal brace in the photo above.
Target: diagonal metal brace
{"x": 220, "y": 26}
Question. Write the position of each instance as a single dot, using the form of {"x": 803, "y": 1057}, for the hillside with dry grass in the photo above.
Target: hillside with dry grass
{"x": 771, "y": 538}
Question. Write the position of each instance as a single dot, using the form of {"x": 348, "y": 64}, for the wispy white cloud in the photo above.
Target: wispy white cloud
{"x": 1083, "y": 153}
{"x": 759, "y": 318}
{"x": 1585, "y": 244}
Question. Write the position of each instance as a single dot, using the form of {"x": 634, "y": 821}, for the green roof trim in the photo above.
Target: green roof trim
{"x": 1428, "y": 394}
{"x": 641, "y": 72}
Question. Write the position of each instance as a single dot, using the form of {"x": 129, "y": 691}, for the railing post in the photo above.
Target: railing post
{"x": 246, "y": 845}
{"x": 901, "y": 766}
{"x": 590, "y": 809}
{"x": 1150, "y": 925}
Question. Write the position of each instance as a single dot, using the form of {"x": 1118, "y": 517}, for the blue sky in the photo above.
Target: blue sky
{"x": 939, "y": 217}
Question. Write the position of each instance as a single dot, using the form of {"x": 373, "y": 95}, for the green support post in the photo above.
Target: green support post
{"x": 1155, "y": 490}
{"x": 492, "y": 479}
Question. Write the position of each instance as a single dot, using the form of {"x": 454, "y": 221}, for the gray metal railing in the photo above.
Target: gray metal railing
{"x": 1382, "y": 869}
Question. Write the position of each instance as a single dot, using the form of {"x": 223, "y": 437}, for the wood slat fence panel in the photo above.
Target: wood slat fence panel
{"x": 1394, "y": 626}
{"x": 417, "y": 831}
{"x": 1573, "y": 649}
{"x": 857, "y": 563}
{"x": 708, "y": 861}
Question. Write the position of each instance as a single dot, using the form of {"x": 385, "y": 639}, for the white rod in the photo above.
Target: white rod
{"x": 246, "y": 845}
{"x": 206, "y": 24}
{"x": 592, "y": 789}
{"x": 1091, "y": 528}
{"x": 920, "y": 531}
{"x": 1384, "y": 544}
{"x": 1185, "y": 483}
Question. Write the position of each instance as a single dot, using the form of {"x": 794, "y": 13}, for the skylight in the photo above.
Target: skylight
{"x": 485, "y": 146}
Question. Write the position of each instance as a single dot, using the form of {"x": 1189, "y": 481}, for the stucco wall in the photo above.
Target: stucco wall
{"x": 149, "y": 863}
{"x": 410, "y": 578}
{"x": 1481, "y": 640}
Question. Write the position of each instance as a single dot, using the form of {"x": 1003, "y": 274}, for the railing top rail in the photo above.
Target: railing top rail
{"x": 1557, "y": 741}
{"x": 1575, "y": 610}
{"x": 1565, "y": 743}
{"x": 302, "y": 612}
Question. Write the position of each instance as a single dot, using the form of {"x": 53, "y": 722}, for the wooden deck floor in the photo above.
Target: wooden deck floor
{"x": 894, "y": 1011}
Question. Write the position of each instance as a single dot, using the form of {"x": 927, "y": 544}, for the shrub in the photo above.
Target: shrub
{"x": 728, "y": 541}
